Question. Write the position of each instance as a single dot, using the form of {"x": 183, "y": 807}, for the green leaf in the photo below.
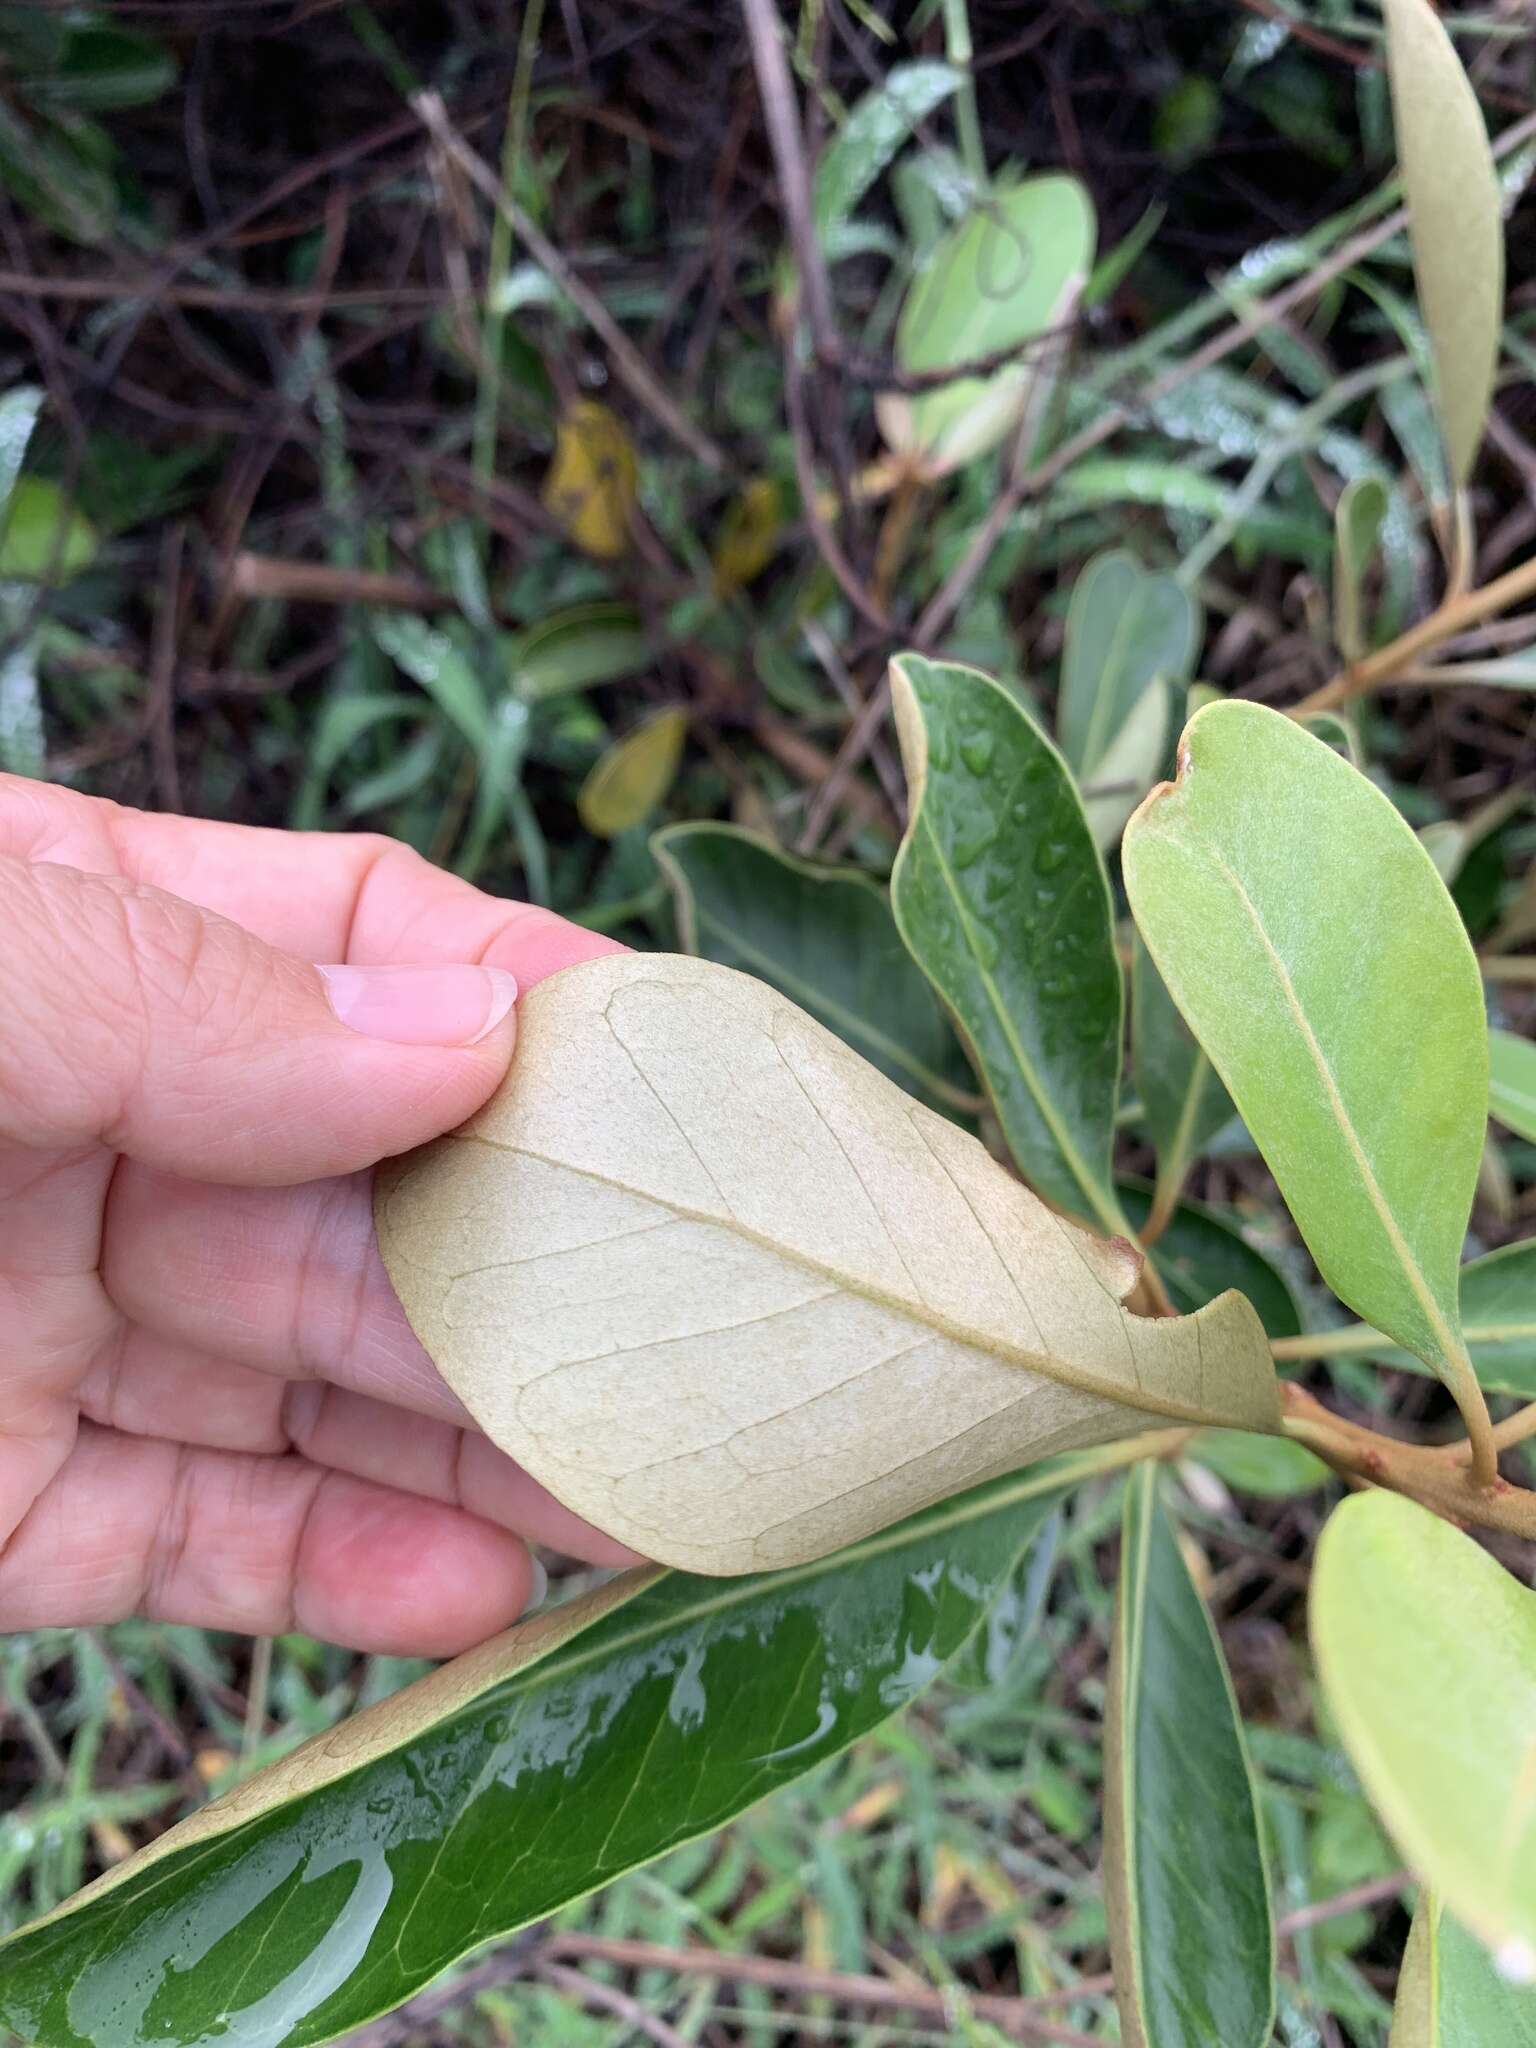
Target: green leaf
{"x": 1125, "y": 626}
{"x": 43, "y": 539}
{"x": 1006, "y": 276}
{"x": 1426, "y": 1648}
{"x": 826, "y": 938}
{"x": 437, "y": 661}
{"x": 875, "y": 129}
{"x": 585, "y": 1742}
{"x": 102, "y": 67}
{"x": 1358, "y": 519}
{"x": 1512, "y": 1082}
{"x": 1191, "y": 1935}
{"x": 1129, "y": 766}
{"x": 577, "y": 648}
{"x": 1201, "y": 1252}
{"x": 19, "y": 409}
{"x": 23, "y": 742}
{"x": 1449, "y": 1993}
{"x": 1269, "y": 1467}
{"x": 1498, "y": 1321}
{"x": 1001, "y": 897}
{"x": 1183, "y": 1103}
{"x": 634, "y": 775}
{"x": 1455, "y": 219}
{"x": 1302, "y": 930}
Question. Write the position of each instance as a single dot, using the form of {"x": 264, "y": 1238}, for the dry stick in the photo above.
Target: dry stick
{"x": 608, "y": 1999}
{"x": 629, "y": 365}
{"x": 782, "y": 119}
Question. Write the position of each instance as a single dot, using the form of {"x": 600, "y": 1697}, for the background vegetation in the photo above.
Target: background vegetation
{"x": 522, "y": 529}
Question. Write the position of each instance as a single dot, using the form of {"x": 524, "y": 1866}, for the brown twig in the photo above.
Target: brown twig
{"x": 629, "y": 365}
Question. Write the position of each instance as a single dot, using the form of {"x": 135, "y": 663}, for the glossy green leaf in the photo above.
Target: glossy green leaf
{"x": 1125, "y": 626}
{"x": 1302, "y": 930}
{"x": 577, "y": 648}
{"x": 1512, "y": 1082}
{"x": 1455, "y": 219}
{"x": 331, "y": 1887}
{"x": 1498, "y": 1321}
{"x": 875, "y": 129}
{"x": 1450, "y": 1993}
{"x": 1001, "y": 897}
{"x": 633, "y": 776}
{"x": 1201, "y": 1252}
{"x": 1191, "y": 1934}
{"x": 826, "y": 938}
{"x": 1426, "y": 1648}
{"x": 43, "y": 538}
{"x": 441, "y": 664}
{"x": 1358, "y": 519}
{"x": 1183, "y": 1104}
{"x": 1006, "y": 276}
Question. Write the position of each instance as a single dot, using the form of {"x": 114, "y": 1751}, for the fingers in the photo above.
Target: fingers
{"x": 262, "y": 1545}
{"x": 356, "y": 897}
{"x": 144, "y": 1386}
{"x": 132, "y": 1019}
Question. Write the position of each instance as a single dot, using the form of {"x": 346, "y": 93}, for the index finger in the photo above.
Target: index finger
{"x": 327, "y": 897}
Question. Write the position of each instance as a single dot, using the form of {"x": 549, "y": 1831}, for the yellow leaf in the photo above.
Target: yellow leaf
{"x": 737, "y": 1299}
{"x": 1454, "y": 219}
{"x": 633, "y": 776}
{"x": 748, "y": 535}
{"x": 590, "y": 487}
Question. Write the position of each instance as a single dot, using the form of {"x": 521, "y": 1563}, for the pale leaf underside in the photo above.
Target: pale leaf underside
{"x": 735, "y": 1298}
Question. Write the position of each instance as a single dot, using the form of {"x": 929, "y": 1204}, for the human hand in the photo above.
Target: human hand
{"x": 212, "y": 1408}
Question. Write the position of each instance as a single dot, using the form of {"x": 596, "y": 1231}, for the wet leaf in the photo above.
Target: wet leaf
{"x": 874, "y": 131}
{"x": 1002, "y": 899}
{"x": 19, "y": 409}
{"x": 1512, "y": 1082}
{"x": 591, "y": 484}
{"x": 733, "y": 1296}
{"x": 1455, "y": 219}
{"x": 440, "y": 663}
{"x": 634, "y": 775}
{"x": 1006, "y": 276}
{"x": 23, "y": 745}
{"x": 822, "y": 936}
{"x": 1191, "y": 1935}
{"x": 589, "y": 1740}
{"x": 1304, "y": 934}
{"x": 1450, "y": 1993}
{"x": 1426, "y": 1648}
{"x": 43, "y": 538}
{"x": 1183, "y": 1103}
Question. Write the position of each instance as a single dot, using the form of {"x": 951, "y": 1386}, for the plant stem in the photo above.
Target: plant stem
{"x": 488, "y": 391}
{"x": 1422, "y": 1472}
{"x": 1454, "y": 615}
{"x": 957, "y": 46}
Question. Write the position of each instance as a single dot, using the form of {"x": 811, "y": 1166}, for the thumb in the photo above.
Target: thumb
{"x": 133, "y": 1019}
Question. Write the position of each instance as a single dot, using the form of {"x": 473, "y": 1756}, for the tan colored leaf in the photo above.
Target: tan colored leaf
{"x": 1455, "y": 220}
{"x": 737, "y": 1299}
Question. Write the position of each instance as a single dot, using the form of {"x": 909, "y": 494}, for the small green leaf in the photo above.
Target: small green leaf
{"x": 589, "y": 1740}
{"x": 1512, "y": 1082}
{"x": 1450, "y": 1994}
{"x": 1006, "y": 276}
{"x": 1426, "y": 1648}
{"x": 1191, "y": 1934}
{"x": 1358, "y": 519}
{"x": 19, "y": 409}
{"x": 577, "y": 648}
{"x": 1302, "y": 930}
{"x": 1455, "y": 219}
{"x": 826, "y": 938}
{"x": 1129, "y": 766}
{"x": 1202, "y": 1252}
{"x": 631, "y": 779}
{"x": 439, "y": 662}
{"x": 43, "y": 539}
{"x": 1269, "y": 1467}
{"x": 875, "y": 129}
{"x": 23, "y": 745}
{"x": 1183, "y": 1103}
{"x": 1125, "y": 626}
{"x": 1001, "y": 898}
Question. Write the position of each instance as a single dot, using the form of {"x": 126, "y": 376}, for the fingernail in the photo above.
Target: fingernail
{"x": 538, "y": 1587}
{"x": 421, "y": 1005}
